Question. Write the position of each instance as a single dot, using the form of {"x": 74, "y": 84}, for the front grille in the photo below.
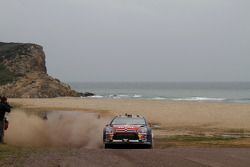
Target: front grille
{"x": 129, "y": 136}
{"x": 125, "y": 130}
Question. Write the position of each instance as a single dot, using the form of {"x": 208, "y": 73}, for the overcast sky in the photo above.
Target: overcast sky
{"x": 135, "y": 40}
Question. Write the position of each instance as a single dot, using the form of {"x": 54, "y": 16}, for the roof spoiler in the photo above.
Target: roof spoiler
{"x": 130, "y": 115}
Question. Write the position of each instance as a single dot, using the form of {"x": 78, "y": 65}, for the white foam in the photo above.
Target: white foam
{"x": 137, "y": 96}
{"x": 97, "y": 96}
{"x": 159, "y": 98}
{"x": 199, "y": 99}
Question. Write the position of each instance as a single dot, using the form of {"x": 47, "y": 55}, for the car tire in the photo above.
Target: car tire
{"x": 107, "y": 146}
{"x": 149, "y": 146}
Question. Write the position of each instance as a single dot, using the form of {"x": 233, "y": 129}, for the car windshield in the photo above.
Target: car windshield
{"x": 128, "y": 121}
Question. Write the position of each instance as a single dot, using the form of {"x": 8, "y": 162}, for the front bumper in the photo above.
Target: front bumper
{"x": 139, "y": 139}
{"x": 125, "y": 141}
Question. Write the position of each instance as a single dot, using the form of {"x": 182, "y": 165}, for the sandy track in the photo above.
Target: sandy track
{"x": 174, "y": 157}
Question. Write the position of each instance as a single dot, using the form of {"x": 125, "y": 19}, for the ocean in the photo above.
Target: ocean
{"x": 238, "y": 92}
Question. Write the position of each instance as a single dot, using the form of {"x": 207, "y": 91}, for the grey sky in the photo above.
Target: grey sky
{"x": 135, "y": 40}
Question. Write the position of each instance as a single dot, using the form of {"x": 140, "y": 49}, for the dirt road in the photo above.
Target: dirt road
{"x": 173, "y": 157}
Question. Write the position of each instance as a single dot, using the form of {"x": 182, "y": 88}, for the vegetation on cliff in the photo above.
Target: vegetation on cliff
{"x": 6, "y": 76}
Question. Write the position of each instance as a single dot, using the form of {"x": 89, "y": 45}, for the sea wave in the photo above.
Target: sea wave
{"x": 137, "y": 96}
{"x": 125, "y": 96}
{"x": 97, "y": 96}
{"x": 159, "y": 98}
{"x": 199, "y": 99}
{"x": 121, "y": 96}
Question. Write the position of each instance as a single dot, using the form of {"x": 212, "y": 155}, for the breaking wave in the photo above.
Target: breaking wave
{"x": 198, "y": 99}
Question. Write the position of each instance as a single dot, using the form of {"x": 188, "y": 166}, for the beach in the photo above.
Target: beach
{"x": 167, "y": 113}
{"x": 171, "y": 117}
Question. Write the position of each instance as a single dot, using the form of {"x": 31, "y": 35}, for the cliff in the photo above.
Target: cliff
{"x": 23, "y": 73}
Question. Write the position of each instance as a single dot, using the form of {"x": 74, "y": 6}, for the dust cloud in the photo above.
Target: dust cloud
{"x": 60, "y": 128}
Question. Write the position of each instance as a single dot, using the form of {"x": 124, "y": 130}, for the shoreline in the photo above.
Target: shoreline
{"x": 183, "y": 99}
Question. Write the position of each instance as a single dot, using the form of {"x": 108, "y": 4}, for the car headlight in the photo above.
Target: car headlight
{"x": 142, "y": 130}
{"x": 109, "y": 130}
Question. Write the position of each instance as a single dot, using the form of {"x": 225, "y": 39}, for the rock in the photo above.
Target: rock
{"x": 23, "y": 73}
{"x": 87, "y": 94}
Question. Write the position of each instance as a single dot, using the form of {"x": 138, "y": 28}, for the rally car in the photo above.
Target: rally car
{"x": 128, "y": 130}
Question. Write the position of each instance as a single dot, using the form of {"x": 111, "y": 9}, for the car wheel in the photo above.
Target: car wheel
{"x": 107, "y": 146}
{"x": 149, "y": 146}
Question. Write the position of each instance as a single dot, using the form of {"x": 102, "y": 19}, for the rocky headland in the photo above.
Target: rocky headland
{"x": 23, "y": 73}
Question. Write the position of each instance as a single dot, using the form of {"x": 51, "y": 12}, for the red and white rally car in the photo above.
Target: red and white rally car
{"x": 128, "y": 129}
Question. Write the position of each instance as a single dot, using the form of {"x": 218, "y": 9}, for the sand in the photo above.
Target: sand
{"x": 74, "y": 138}
{"x": 168, "y": 114}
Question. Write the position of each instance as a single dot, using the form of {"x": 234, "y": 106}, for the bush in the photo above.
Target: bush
{"x": 5, "y": 75}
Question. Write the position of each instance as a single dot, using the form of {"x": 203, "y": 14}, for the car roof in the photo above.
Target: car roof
{"x": 129, "y": 116}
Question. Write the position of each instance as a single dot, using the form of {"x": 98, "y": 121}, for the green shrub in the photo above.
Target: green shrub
{"x": 8, "y": 50}
{"x": 5, "y": 75}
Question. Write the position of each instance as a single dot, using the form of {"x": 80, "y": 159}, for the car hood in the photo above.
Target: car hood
{"x": 126, "y": 127}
